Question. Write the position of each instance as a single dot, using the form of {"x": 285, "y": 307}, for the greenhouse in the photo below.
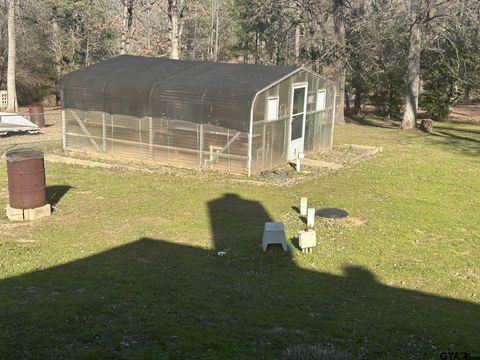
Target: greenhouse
{"x": 238, "y": 118}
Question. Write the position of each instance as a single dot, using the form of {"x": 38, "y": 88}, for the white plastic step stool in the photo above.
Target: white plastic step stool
{"x": 274, "y": 233}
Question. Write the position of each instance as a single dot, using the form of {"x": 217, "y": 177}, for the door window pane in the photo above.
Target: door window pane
{"x": 297, "y": 127}
{"x": 298, "y": 100}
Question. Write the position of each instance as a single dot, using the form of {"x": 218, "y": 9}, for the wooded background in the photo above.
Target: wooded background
{"x": 389, "y": 54}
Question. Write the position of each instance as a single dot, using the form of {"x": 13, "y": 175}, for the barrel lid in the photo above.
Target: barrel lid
{"x": 24, "y": 154}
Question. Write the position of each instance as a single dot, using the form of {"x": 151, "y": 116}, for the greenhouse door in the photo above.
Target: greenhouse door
{"x": 297, "y": 124}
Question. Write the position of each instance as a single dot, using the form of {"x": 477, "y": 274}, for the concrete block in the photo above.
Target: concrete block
{"x": 37, "y": 213}
{"x": 274, "y": 233}
{"x": 14, "y": 214}
{"x": 307, "y": 240}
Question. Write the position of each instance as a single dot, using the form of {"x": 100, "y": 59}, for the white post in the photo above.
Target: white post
{"x": 104, "y": 133}
{"x": 64, "y": 130}
{"x": 150, "y": 136}
{"x": 311, "y": 217}
{"x": 303, "y": 206}
{"x": 333, "y": 115}
{"x": 111, "y": 134}
{"x": 200, "y": 145}
{"x": 299, "y": 158}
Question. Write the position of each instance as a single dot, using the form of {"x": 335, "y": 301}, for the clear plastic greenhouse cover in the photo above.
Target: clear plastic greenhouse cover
{"x": 200, "y": 92}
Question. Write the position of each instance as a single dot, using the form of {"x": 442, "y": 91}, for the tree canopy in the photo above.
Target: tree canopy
{"x": 365, "y": 45}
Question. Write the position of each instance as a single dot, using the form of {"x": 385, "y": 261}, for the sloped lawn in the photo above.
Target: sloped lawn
{"x": 128, "y": 265}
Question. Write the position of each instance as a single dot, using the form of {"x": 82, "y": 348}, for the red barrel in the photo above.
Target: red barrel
{"x": 37, "y": 115}
{"x": 26, "y": 178}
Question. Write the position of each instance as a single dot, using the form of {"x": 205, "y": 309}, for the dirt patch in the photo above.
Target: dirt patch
{"x": 346, "y": 223}
{"x": 465, "y": 114}
{"x": 355, "y": 221}
{"x": 316, "y": 165}
{"x": 154, "y": 220}
{"x": 25, "y": 241}
{"x": 346, "y": 154}
{"x": 10, "y": 229}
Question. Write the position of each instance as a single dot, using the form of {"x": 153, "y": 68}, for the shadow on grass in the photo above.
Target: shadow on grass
{"x": 469, "y": 145}
{"x": 452, "y": 135}
{"x": 56, "y": 192}
{"x": 471, "y": 131}
{"x": 370, "y": 121}
{"x": 153, "y": 298}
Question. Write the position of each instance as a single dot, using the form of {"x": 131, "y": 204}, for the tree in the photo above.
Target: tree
{"x": 435, "y": 18}
{"x": 340, "y": 58}
{"x": 11, "y": 88}
{"x": 413, "y": 67}
{"x": 450, "y": 69}
{"x": 176, "y": 15}
{"x": 127, "y": 25}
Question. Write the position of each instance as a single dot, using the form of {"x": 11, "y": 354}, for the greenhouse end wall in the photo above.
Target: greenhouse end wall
{"x": 164, "y": 141}
{"x": 271, "y": 138}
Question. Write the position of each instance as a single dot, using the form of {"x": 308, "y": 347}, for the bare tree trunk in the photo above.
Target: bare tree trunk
{"x": 194, "y": 44}
{"x": 413, "y": 71}
{"x": 340, "y": 52}
{"x": 297, "y": 43}
{"x": 212, "y": 29}
{"x": 3, "y": 51}
{"x": 256, "y": 56}
{"x": 11, "y": 89}
{"x": 176, "y": 8}
{"x": 127, "y": 25}
{"x": 56, "y": 43}
{"x": 217, "y": 23}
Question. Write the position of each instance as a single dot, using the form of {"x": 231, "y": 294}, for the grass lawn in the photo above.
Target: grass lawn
{"x": 129, "y": 267}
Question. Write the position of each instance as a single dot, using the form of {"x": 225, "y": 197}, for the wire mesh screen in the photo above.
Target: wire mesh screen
{"x": 269, "y": 144}
{"x": 170, "y": 142}
{"x": 271, "y": 136}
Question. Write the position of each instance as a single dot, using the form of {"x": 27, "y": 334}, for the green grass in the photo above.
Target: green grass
{"x": 129, "y": 268}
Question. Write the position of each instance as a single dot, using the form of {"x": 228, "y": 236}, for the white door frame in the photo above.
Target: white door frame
{"x": 297, "y": 143}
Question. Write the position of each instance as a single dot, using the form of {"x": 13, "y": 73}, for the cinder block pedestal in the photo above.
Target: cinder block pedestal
{"x": 28, "y": 214}
{"x": 14, "y": 214}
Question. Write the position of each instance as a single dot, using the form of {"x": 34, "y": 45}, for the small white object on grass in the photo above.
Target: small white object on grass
{"x": 307, "y": 239}
{"x": 311, "y": 217}
{"x": 303, "y": 206}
